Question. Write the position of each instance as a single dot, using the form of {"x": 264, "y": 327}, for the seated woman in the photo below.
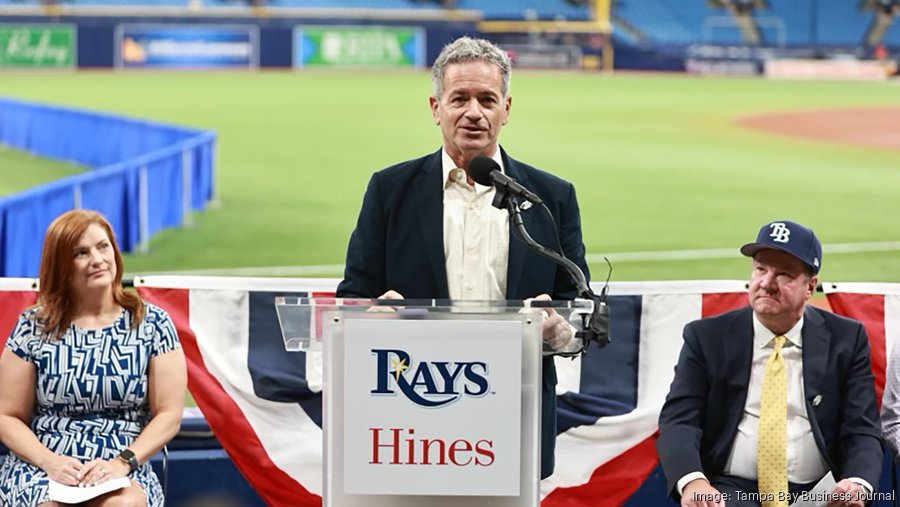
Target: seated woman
{"x": 93, "y": 378}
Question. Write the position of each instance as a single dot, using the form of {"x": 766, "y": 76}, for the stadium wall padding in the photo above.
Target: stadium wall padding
{"x": 144, "y": 176}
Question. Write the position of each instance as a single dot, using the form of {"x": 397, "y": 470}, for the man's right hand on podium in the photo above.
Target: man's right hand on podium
{"x": 391, "y": 294}
{"x": 556, "y": 332}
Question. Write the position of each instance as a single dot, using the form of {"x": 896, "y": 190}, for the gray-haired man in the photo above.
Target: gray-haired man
{"x": 427, "y": 230}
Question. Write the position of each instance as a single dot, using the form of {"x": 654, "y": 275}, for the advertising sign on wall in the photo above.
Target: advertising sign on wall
{"x": 37, "y": 46}
{"x": 359, "y": 46}
{"x": 432, "y": 410}
{"x": 544, "y": 56}
{"x": 187, "y": 46}
{"x": 827, "y": 69}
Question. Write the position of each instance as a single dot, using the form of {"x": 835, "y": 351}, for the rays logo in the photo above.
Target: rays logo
{"x": 428, "y": 384}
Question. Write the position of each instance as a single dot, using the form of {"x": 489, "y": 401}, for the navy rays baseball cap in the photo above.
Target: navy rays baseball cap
{"x": 790, "y": 237}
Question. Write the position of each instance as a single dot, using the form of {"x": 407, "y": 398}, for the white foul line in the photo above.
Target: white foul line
{"x": 648, "y": 256}
{"x": 726, "y": 253}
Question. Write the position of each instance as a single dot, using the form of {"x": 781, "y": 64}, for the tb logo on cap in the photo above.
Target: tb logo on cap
{"x": 780, "y": 233}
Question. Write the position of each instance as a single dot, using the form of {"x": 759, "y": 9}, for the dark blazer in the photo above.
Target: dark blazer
{"x": 398, "y": 244}
{"x": 699, "y": 420}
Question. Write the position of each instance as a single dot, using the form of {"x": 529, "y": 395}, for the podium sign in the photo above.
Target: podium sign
{"x": 429, "y": 402}
{"x": 427, "y": 408}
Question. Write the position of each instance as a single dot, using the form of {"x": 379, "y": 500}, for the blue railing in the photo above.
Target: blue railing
{"x": 144, "y": 176}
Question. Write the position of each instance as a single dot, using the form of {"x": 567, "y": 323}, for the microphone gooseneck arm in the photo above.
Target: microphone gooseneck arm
{"x": 584, "y": 291}
{"x": 596, "y": 325}
{"x": 484, "y": 170}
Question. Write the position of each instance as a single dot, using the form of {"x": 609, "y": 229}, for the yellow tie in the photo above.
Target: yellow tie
{"x": 771, "y": 452}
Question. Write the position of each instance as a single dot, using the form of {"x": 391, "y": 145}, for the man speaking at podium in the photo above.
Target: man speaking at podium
{"x": 427, "y": 230}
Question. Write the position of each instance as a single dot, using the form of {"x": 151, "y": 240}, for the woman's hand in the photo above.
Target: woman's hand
{"x": 63, "y": 469}
{"x": 99, "y": 470}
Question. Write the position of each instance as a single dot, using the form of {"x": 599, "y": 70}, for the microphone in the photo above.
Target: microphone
{"x": 485, "y": 171}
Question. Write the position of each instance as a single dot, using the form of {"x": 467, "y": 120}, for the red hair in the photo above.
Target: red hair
{"x": 57, "y": 266}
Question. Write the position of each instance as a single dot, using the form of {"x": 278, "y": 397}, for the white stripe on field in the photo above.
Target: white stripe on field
{"x": 327, "y": 269}
{"x": 648, "y": 256}
{"x": 726, "y": 253}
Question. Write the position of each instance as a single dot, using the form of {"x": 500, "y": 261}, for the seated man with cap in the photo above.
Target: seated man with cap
{"x": 769, "y": 398}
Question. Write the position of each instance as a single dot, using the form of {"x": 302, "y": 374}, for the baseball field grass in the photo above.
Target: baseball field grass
{"x": 21, "y": 171}
{"x": 661, "y": 168}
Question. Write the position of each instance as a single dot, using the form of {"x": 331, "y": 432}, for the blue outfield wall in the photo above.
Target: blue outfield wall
{"x": 143, "y": 176}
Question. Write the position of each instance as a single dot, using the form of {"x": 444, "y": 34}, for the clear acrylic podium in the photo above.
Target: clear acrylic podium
{"x": 429, "y": 402}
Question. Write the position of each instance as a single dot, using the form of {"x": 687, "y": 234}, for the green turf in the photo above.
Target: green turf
{"x": 658, "y": 161}
{"x": 20, "y": 171}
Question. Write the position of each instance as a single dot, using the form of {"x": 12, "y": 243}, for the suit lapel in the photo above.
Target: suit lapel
{"x": 517, "y": 248}
{"x": 738, "y": 361}
{"x": 735, "y": 347}
{"x": 429, "y": 195}
{"x": 816, "y": 341}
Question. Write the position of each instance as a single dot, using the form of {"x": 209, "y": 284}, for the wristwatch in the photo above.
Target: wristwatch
{"x": 127, "y": 455}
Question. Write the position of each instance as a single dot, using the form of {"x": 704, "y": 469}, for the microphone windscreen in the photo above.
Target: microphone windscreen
{"x": 480, "y": 170}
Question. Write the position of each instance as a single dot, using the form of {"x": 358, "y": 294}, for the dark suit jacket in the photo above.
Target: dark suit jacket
{"x": 398, "y": 244}
{"x": 699, "y": 420}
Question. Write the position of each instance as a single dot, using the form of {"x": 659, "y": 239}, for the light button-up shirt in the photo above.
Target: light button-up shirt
{"x": 476, "y": 237}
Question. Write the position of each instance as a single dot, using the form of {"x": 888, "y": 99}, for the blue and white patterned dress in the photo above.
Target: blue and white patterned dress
{"x": 90, "y": 397}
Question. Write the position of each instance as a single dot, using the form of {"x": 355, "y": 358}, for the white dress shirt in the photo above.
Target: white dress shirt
{"x": 805, "y": 463}
{"x": 476, "y": 237}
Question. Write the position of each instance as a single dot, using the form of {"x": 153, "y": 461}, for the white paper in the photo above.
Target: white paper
{"x": 73, "y": 494}
{"x": 818, "y": 496}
